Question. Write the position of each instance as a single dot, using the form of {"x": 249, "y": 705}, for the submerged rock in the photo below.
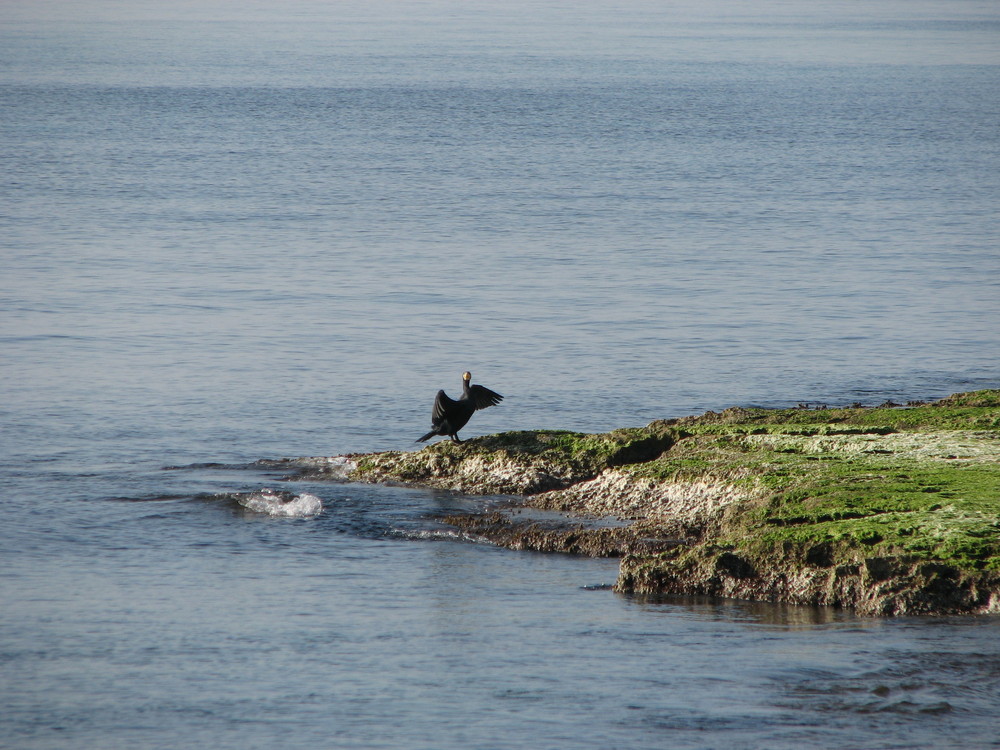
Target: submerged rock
{"x": 885, "y": 510}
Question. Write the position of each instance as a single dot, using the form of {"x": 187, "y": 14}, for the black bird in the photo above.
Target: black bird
{"x": 450, "y": 416}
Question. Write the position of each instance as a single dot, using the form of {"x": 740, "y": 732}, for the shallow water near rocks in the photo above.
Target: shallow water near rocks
{"x": 235, "y": 232}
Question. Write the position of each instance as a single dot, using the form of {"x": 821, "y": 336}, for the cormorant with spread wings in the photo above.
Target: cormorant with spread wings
{"x": 451, "y": 415}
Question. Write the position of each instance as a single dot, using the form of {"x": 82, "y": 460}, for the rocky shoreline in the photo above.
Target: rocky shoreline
{"x": 886, "y": 510}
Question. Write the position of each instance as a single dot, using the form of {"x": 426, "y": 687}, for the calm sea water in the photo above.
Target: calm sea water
{"x": 234, "y": 231}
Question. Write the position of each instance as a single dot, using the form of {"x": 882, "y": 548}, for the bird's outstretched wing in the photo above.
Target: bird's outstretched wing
{"x": 482, "y": 397}
{"x": 441, "y": 405}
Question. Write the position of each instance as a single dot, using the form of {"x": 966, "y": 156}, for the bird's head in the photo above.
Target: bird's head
{"x": 466, "y": 376}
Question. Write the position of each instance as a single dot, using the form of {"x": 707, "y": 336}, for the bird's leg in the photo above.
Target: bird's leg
{"x": 455, "y": 438}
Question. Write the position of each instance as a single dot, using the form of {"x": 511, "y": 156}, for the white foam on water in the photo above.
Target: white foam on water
{"x": 281, "y": 504}
{"x": 443, "y": 534}
{"x": 341, "y": 465}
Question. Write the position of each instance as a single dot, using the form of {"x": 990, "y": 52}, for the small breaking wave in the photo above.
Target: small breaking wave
{"x": 452, "y": 535}
{"x": 339, "y": 466}
{"x": 281, "y": 504}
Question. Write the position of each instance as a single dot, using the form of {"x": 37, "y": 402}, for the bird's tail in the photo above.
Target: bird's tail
{"x": 428, "y": 436}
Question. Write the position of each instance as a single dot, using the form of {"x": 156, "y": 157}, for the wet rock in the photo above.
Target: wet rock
{"x": 520, "y": 463}
{"x": 577, "y": 539}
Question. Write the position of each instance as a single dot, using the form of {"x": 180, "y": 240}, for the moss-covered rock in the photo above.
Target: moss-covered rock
{"x": 887, "y": 510}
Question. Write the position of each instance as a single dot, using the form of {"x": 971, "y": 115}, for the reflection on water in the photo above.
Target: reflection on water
{"x": 755, "y": 613}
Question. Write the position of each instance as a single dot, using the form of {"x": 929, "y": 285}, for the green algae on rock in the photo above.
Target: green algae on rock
{"x": 885, "y": 510}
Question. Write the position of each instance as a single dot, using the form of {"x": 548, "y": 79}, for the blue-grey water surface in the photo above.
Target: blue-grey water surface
{"x": 244, "y": 230}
